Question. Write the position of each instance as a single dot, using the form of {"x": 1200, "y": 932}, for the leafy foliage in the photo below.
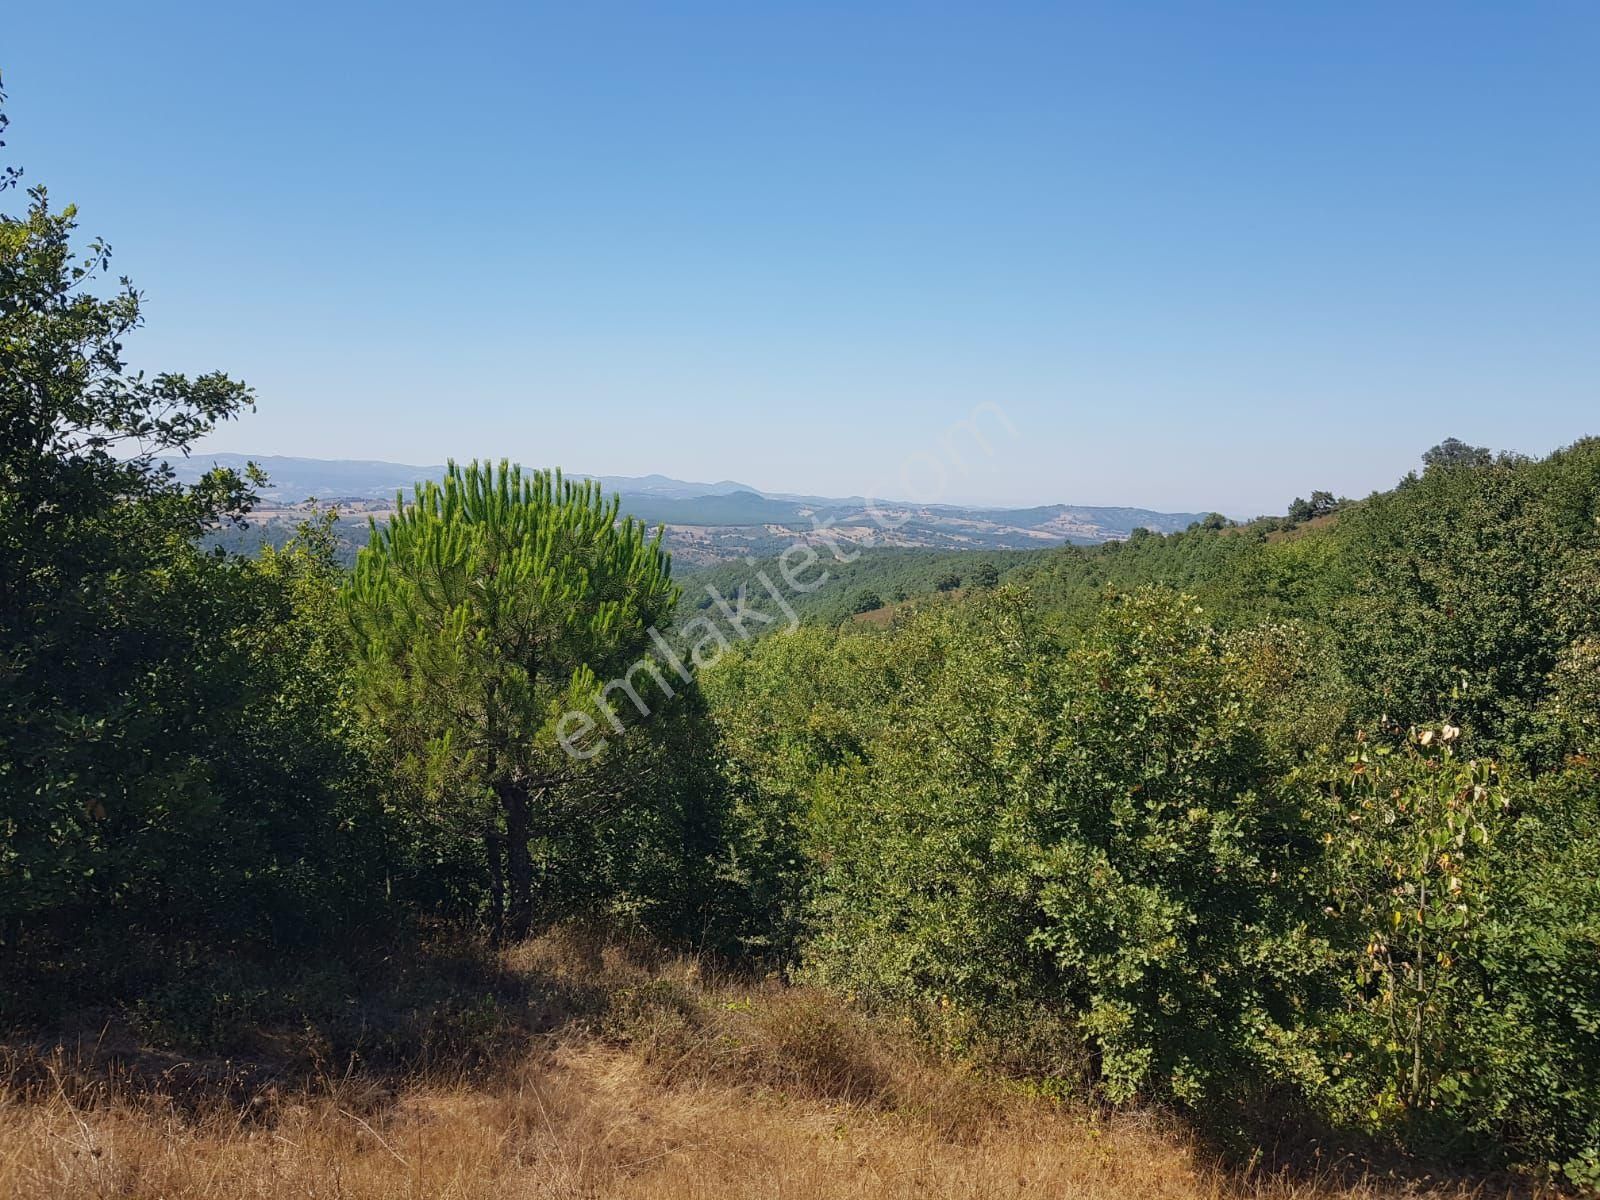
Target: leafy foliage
{"x": 1470, "y": 589}
{"x": 1091, "y": 829}
{"x": 162, "y": 764}
{"x": 1327, "y": 840}
{"x": 1409, "y": 874}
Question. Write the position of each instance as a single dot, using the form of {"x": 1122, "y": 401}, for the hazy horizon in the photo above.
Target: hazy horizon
{"x": 1202, "y": 256}
{"x": 954, "y": 498}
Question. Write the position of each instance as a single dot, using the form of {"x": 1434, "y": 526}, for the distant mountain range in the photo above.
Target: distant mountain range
{"x": 712, "y": 522}
{"x": 291, "y": 480}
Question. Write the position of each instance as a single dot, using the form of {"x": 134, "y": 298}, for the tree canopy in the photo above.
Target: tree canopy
{"x": 484, "y": 611}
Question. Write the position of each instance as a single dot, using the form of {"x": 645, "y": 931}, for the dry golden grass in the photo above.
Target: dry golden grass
{"x": 687, "y": 1087}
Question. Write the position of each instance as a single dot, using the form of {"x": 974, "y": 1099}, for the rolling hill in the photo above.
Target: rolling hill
{"x": 706, "y": 523}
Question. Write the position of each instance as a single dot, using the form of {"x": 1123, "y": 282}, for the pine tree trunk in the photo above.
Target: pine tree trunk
{"x": 519, "y": 863}
{"x": 494, "y": 847}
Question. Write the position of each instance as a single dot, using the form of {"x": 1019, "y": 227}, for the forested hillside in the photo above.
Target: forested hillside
{"x": 1290, "y": 831}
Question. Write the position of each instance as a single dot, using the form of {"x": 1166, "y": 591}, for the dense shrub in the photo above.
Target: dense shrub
{"x": 1095, "y": 828}
{"x": 1469, "y": 586}
{"x": 1530, "y": 1024}
{"x": 1129, "y": 850}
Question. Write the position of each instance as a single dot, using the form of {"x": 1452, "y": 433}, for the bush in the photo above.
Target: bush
{"x": 1530, "y": 1030}
{"x": 1095, "y": 829}
{"x": 1462, "y": 1004}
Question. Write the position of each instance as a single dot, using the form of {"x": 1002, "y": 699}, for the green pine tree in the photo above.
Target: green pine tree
{"x": 486, "y": 609}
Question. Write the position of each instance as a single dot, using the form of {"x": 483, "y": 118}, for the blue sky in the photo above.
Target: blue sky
{"x": 1202, "y": 255}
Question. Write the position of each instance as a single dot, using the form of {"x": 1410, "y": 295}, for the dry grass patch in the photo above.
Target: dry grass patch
{"x": 591, "y": 1121}
{"x": 686, "y": 1086}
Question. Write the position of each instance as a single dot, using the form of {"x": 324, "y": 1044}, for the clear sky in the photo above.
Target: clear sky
{"x": 1202, "y": 255}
